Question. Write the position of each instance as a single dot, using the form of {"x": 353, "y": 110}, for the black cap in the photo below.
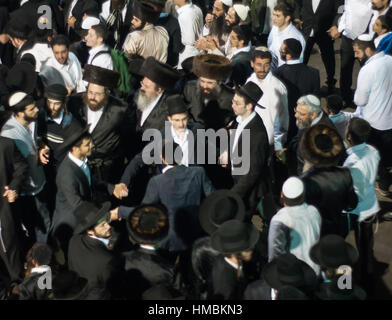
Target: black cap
{"x": 56, "y": 91}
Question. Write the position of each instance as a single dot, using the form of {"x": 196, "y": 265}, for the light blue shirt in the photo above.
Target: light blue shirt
{"x": 340, "y": 120}
{"x": 373, "y": 96}
{"x": 363, "y": 162}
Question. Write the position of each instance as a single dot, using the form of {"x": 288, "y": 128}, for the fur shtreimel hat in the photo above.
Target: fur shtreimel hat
{"x": 211, "y": 66}
{"x": 101, "y": 76}
{"x": 322, "y": 145}
{"x": 160, "y": 73}
{"x": 146, "y": 11}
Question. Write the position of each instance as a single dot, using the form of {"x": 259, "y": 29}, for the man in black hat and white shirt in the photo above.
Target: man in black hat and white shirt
{"x": 109, "y": 121}
{"x": 146, "y": 39}
{"x": 89, "y": 255}
{"x": 21, "y": 127}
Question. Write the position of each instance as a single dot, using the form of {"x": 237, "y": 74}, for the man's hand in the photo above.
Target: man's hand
{"x": 120, "y": 191}
{"x": 281, "y": 155}
{"x": 223, "y": 159}
{"x": 298, "y": 23}
{"x": 71, "y": 22}
{"x": 44, "y": 155}
{"x": 69, "y": 89}
{"x": 114, "y": 215}
{"x": 333, "y": 32}
{"x": 11, "y": 195}
{"x": 201, "y": 44}
{"x": 208, "y": 19}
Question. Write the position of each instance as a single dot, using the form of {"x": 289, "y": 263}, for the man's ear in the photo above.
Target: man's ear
{"x": 287, "y": 19}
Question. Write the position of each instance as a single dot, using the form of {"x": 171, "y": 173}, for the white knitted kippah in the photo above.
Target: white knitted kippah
{"x": 242, "y": 11}
{"x": 89, "y": 22}
{"x": 228, "y": 3}
{"x": 16, "y": 97}
{"x": 293, "y": 188}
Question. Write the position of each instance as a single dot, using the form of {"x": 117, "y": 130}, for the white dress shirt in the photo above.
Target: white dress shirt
{"x": 146, "y": 112}
{"x": 373, "y": 96}
{"x": 242, "y": 123}
{"x": 105, "y": 10}
{"x": 315, "y": 4}
{"x": 71, "y": 71}
{"x": 275, "y": 40}
{"x": 190, "y": 19}
{"x": 183, "y": 143}
{"x": 93, "y": 118}
{"x": 355, "y": 18}
{"x": 363, "y": 162}
{"x": 103, "y": 60}
{"x": 275, "y": 116}
{"x": 42, "y": 52}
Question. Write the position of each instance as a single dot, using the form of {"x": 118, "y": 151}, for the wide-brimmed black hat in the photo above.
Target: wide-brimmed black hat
{"x": 135, "y": 63}
{"x": 146, "y": 11}
{"x": 72, "y": 134}
{"x": 67, "y": 285}
{"x": 23, "y": 77}
{"x": 101, "y": 76}
{"x": 291, "y": 293}
{"x": 148, "y": 224}
{"x": 322, "y": 145}
{"x": 56, "y": 92}
{"x": 161, "y": 73}
{"x": 211, "y": 66}
{"x": 176, "y": 104}
{"x": 331, "y": 291}
{"x": 88, "y": 214}
{"x": 234, "y": 236}
{"x": 18, "y": 26}
{"x": 332, "y": 252}
{"x": 252, "y": 91}
{"x": 286, "y": 269}
{"x": 219, "y": 207}
{"x": 187, "y": 65}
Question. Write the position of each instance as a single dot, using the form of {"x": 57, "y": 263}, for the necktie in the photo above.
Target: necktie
{"x": 86, "y": 171}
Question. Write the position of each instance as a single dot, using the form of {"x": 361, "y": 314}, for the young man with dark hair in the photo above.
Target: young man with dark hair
{"x": 99, "y": 54}
{"x": 373, "y": 98}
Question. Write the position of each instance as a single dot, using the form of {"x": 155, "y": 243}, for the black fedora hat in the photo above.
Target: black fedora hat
{"x": 331, "y": 291}
{"x": 252, "y": 91}
{"x": 287, "y": 269}
{"x": 219, "y": 207}
{"x": 322, "y": 145}
{"x": 88, "y": 214}
{"x": 101, "y": 76}
{"x": 71, "y": 134}
{"x": 146, "y": 11}
{"x": 22, "y": 77}
{"x": 332, "y": 252}
{"x": 135, "y": 63}
{"x": 176, "y": 104}
{"x": 291, "y": 293}
{"x": 234, "y": 236}
{"x": 148, "y": 224}
{"x": 161, "y": 73}
{"x": 56, "y": 92}
{"x": 67, "y": 285}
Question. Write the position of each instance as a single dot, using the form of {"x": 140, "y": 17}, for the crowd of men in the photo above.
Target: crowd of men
{"x": 155, "y": 149}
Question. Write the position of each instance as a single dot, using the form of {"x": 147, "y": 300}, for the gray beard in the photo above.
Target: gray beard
{"x": 302, "y": 125}
{"x": 143, "y": 101}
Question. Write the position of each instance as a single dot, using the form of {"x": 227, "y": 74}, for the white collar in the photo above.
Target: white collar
{"x": 293, "y": 61}
{"x": 183, "y": 8}
{"x": 375, "y": 57}
{"x": 234, "y": 265}
{"x": 95, "y": 50}
{"x": 176, "y": 136}
{"x": 168, "y": 167}
{"x": 243, "y": 49}
{"x": 58, "y": 119}
{"x": 77, "y": 161}
{"x": 318, "y": 118}
{"x": 287, "y": 28}
{"x": 41, "y": 269}
{"x": 379, "y": 38}
{"x": 244, "y": 122}
{"x": 147, "y": 247}
{"x": 103, "y": 240}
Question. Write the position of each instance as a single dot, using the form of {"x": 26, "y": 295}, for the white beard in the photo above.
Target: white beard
{"x": 142, "y": 101}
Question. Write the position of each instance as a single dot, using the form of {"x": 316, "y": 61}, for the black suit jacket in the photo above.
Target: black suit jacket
{"x": 299, "y": 80}
{"x": 113, "y": 129}
{"x": 29, "y": 290}
{"x": 241, "y": 69}
{"x": 217, "y": 113}
{"x": 92, "y": 260}
{"x": 72, "y": 189}
{"x": 325, "y": 16}
{"x": 251, "y": 185}
{"x": 81, "y": 7}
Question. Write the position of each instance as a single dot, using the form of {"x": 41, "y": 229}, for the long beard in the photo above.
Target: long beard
{"x": 213, "y": 95}
{"x": 218, "y": 26}
{"x": 142, "y": 101}
{"x": 95, "y": 107}
{"x": 303, "y": 125}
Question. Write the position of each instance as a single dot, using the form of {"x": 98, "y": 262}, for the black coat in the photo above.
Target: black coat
{"x": 251, "y": 186}
{"x": 217, "y": 113}
{"x": 325, "y": 16}
{"x": 14, "y": 170}
{"x": 331, "y": 191}
{"x": 72, "y": 189}
{"x": 241, "y": 69}
{"x": 147, "y": 268}
{"x": 29, "y": 289}
{"x": 299, "y": 80}
{"x": 92, "y": 260}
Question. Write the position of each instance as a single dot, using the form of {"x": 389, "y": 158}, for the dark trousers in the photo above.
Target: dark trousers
{"x": 346, "y": 68}
{"x": 327, "y": 54}
{"x": 382, "y": 140}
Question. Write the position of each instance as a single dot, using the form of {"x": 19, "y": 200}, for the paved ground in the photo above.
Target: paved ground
{"x": 382, "y": 229}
